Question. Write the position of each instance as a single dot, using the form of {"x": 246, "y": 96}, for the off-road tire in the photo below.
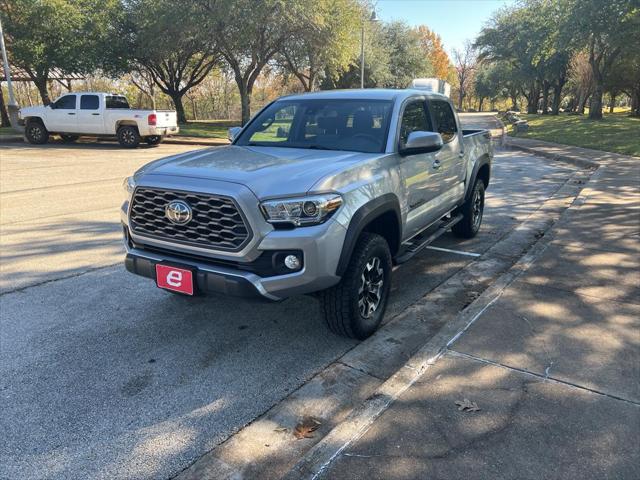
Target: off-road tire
{"x": 69, "y": 138}
{"x": 153, "y": 140}
{"x": 36, "y": 133}
{"x": 340, "y": 305}
{"x": 472, "y": 211}
{"x": 128, "y": 136}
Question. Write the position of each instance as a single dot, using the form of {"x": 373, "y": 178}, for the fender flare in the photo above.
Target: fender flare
{"x": 482, "y": 161}
{"x": 361, "y": 218}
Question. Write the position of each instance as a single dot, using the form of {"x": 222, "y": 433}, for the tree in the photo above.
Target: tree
{"x": 605, "y": 28}
{"x": 433, "y": 49}
{"x": 170, "y": 45}
{"x": 68, "y": 36}
{"x": 326, "y": 42}
{"x": 407, "y": 59}
{"x": 249, "y": 34}
{"x": 465, "y": 62}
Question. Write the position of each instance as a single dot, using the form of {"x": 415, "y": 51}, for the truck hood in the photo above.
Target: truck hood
{"x": 267, "y": 171}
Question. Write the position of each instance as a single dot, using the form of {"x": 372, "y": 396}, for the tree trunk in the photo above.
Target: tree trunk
{"x": 635, "y": 102}
{"x": 557, "y": 99}
{"x": 514, "y": 102}
{"x": 245, "y": 103}
{"x": 582, "y": 102}
{"x": 595, "y": 107}
{"x": 545, "y": 97}
{"x": 612, "y": 102}
{"x": 4, "y": 116}
{"x": 41, "y": 85}
{"x": 533, "y": 98}
{"x": 480, "y": 104}
{"x": 176, "y": 97}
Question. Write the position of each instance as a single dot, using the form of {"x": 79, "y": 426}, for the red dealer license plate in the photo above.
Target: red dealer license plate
{"x": 174, "y": 278}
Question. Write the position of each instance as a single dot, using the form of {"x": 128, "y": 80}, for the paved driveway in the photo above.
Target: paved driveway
{"x": 104, "y": 376}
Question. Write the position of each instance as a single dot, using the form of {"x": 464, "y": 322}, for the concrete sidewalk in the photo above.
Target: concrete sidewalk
{"x": 552, "y": 361}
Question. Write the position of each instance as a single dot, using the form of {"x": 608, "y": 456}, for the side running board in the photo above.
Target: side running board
{"x": 423, "y": 239}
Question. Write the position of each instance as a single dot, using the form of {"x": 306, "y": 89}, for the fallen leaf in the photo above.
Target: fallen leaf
{"x": 467, "y": 405}
{"x": 306, "y": 427}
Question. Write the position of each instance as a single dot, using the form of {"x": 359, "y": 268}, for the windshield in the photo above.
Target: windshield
{"x": 353, "y": 125}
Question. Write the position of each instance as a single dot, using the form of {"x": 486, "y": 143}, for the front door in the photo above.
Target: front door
{"x": 420, "y": 173}
{"x": 451, "y": 156}
{"x": 62, "y": 117}
{"x": 90, "y": 119}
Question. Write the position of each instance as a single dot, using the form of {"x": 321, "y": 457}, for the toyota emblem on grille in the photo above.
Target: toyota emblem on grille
{"x": 178, "y": 212}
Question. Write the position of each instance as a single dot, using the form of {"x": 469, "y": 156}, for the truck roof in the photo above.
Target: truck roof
{"x": 366, "y": 93}
{"x": 93, "y": 93}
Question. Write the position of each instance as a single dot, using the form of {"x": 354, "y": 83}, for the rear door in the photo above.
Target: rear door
{"x": 90, "y": 118}
{"x": 62, "y": 117}
{"x": 450, "y": 159}
{"x": 421, "y": 179}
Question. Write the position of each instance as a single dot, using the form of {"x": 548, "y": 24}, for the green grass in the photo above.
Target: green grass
{"x": 207, "y": 128}
{"x": 616, "y": 132}
{"x": 8, "y": 131}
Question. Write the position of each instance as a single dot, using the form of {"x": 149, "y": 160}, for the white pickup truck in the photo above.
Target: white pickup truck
{"x": 97, "y": 114}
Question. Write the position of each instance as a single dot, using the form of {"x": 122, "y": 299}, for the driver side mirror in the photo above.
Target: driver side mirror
{"x": 233, "y": 133}
{"x": 421, "y": 142}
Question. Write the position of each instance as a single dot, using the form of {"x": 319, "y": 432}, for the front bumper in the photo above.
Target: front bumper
{"x": 207, "y": 279}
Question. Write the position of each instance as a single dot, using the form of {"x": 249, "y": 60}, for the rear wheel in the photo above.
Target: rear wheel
{"x": 36, "y": 133}
{"x": 355, "y": 307}
{"x": 472, "y": 212}
{"x": 153, "y": 140}
{"x": 128, "y": 136}
{"x": 69, "y": 138}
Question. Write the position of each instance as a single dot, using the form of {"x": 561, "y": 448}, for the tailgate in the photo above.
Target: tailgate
{"x": 166, "y": 118}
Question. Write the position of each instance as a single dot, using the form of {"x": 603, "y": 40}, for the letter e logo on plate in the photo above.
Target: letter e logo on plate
{"x": 174, "y": 278}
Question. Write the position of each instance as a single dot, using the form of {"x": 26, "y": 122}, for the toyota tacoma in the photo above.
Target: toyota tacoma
{"x": 319, "y": 193}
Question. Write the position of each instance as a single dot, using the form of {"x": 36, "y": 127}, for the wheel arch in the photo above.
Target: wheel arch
{"x": 482, "y": 170}
{"x": 382, "y": 216}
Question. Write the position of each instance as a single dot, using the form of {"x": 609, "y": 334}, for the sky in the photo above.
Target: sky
{"x": 454, "y": 20}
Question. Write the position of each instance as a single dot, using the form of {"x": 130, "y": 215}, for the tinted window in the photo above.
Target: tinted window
{"x": 68, "y": 102}
{"x": 353, "y": 125}
{"x": 89, "y": 102}
{"x": 113, "y": 101}
{"x": 414, "y": 119}
{"x": 445, "y": 120}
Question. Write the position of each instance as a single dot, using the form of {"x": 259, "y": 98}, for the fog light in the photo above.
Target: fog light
{"x": 292, "y": 262}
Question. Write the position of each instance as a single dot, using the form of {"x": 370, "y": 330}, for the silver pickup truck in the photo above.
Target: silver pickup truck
{"x": 319, "y": 193}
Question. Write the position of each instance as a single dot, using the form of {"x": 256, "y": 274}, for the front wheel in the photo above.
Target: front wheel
{"x": 36, "y": 132}
{"x": 472, "y": 211}
{"x": 355, "y": 307}
{"x": 153, "y": 140}
{"x": 128, "y": 136}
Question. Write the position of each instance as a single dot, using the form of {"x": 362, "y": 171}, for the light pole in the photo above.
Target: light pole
{"x": 12, "y": 106}
{"x": 372, "y": 19}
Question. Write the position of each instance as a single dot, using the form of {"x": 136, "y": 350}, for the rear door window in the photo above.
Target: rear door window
{"x": 89, "y": 102}
{"x": 444, "y": 120}
{"x": 116, "y": 101}
{"x": 68, "y": 102}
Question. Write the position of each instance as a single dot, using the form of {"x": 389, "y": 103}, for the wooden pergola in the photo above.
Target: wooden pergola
{"x": 20, "y": 75}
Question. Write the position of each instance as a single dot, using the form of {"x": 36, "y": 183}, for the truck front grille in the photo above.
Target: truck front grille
{"x": 216, "y": 221}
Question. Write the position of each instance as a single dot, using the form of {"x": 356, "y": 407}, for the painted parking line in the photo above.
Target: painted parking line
{"x": 458, "y": 252}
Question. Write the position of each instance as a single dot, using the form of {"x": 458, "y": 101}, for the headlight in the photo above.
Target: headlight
{"x": 128, "y": 185}
{"x": 303, "y": 211}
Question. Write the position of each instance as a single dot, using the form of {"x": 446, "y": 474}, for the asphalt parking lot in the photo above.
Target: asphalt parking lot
{"x": 105, "y": 376}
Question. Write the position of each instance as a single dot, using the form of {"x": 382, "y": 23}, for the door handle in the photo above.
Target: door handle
{"x": 95, "y": 114}
{"x": 70, "y": 113}
{"x": 436, "y": 164}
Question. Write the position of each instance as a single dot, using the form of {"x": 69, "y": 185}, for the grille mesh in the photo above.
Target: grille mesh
{"x": 216, "y": 223}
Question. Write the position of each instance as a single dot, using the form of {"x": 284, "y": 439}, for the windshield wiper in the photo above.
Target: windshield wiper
{"x": 317, "y": 147}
